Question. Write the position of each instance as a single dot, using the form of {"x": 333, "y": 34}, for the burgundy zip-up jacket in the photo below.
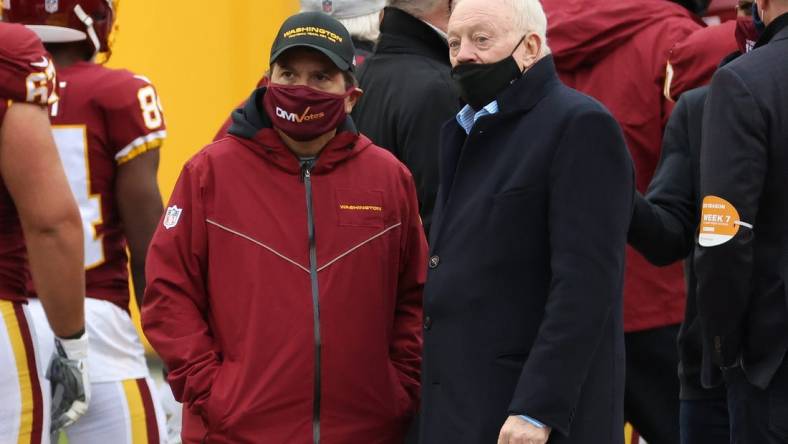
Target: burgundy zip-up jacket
{"x": 285, "y": 299}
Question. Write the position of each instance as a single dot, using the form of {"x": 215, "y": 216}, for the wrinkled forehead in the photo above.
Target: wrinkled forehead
{"x": 470, "y": 16}
{"x": 306, "y": 59}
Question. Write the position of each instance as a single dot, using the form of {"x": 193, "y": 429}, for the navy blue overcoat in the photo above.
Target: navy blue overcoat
{"x": 523, "y": 301}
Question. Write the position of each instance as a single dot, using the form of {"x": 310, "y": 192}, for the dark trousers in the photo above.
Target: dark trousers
{"x": 651, "y": 397}
{"x": 705, "y": 421}
{"x": 758, "y": 416}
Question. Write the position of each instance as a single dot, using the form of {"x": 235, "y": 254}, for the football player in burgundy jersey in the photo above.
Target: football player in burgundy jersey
{"x": 108, "y": 127}
{"x": 39, "y": 227}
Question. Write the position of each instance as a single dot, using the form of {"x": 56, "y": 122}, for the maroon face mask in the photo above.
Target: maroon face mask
{"x": 746, "y": 34}
{"x": 304, "y": 113}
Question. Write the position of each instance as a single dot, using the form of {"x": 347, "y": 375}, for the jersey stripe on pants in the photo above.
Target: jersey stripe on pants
{"x": 144, "y": 427}
{"x": 31, "y": 408}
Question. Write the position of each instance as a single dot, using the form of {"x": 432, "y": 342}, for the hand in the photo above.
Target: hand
{"x": 518, "y": 431}
{"x": 172, "y": 412}
{"x": 68, "y": 374}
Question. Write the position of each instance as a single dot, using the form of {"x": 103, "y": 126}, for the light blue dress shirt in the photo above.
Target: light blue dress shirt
{"x": 467, "y": 117}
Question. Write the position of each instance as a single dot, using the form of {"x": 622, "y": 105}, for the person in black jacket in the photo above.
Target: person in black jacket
{"x": 524, "y": 338}
{"x": 663, "y": 229}
{"x": 407, "y": 91}
{"x": 742, "y": 258}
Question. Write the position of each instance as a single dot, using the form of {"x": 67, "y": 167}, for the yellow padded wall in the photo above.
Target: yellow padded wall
{"x": 204, "y": 58}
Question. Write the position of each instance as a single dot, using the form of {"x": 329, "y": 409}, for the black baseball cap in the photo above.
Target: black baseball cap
{"x": 318, "y": 31}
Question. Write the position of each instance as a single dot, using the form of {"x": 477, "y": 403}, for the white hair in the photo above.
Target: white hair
{"x": 527, "y": 16}
{"x": 417, "y": 8}
{"x": 365, "y": 27}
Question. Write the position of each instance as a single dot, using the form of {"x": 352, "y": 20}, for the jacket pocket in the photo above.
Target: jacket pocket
{"x": 513, "y": 360}
{"x": 215, "y": 410}
{"x": 359, "y": 208}
{"x": 513, "y": 193}
{"x": 517, "y": 209}
{"x": 401, "y": 397}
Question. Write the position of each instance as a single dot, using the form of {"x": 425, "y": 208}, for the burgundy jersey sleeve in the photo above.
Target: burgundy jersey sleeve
{"x": 694, "y": 60}
{"x": 137, "y": 119}
{"x": 26, "y": 72}
{"x": 674, "y": 31}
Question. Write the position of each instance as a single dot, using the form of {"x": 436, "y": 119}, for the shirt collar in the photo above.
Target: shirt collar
{"x": 440, "y": 32}
{"x": 467, "y": 117}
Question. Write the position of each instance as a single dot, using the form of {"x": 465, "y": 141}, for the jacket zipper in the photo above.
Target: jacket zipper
{"x": 306, "y": 176}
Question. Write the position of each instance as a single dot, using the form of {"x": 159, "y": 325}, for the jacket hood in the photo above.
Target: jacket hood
{"x": 252, "y": 127}
{"x": 582, "y": 32}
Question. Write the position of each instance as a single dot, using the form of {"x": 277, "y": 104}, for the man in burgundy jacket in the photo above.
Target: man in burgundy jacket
{"x": 617, "y": 52}
{"x": 285, "y": 280}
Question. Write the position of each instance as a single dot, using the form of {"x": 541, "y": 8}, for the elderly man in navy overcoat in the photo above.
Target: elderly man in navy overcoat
{"x": 523, "y": 339}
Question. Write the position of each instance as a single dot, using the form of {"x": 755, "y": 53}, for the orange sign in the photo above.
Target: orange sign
{"x": 719, "y": 222}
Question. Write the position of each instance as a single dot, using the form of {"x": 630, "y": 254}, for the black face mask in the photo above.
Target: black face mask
{"x": 479, "y": 83}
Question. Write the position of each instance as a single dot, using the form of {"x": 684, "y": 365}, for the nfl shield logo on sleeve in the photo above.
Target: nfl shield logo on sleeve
{"x": 51, "y": 6}
{"x": 172, "y": 216}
